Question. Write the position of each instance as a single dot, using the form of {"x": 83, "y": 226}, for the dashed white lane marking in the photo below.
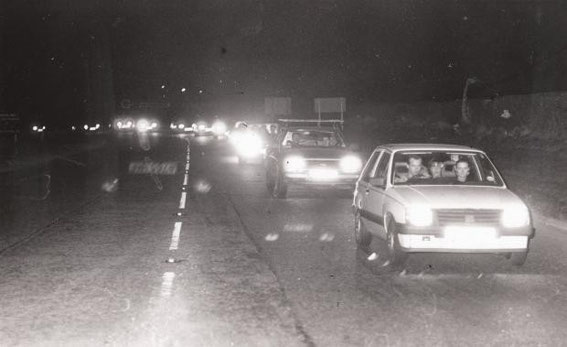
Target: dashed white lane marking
{"x": 183, "y": 200}
{"x": 166, "y": 284}
{"x": 175, "y": 236}
{"x": 186, "y": 179}
{"x": 187, "y": 167}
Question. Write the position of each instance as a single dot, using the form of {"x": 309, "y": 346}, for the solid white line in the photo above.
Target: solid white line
{"x": 166, "y": 284}
{"x": 175, "y": 236}
{"x": 183, "y": 199}
{"x": 185, "y": 179}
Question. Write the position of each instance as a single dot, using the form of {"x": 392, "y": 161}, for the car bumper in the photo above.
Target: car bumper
{"x": 321, "y": 178}
{"x": 464, "y": 239}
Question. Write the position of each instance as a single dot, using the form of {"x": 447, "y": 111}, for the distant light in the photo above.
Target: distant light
{"x": 73, "y": 128}
{"x": 163, "y": 86}
{"x": 34, "y": 128}
{"x": 200, "y": 91}
{"x": 183, "y": 90}
{"x": 86, "y": 127}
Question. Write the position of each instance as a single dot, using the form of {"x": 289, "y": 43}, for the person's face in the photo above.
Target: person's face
{"x": 462, "y": 170}
{"x": 414, "y": 166}
{"x": 435, "y": 169}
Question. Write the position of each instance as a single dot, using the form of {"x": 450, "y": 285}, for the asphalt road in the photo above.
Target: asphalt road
{"x": 207, "y": 257}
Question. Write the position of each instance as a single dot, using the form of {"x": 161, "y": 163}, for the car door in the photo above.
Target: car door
{"x": 363, "y": 185}
{"x": 375, "y": 195}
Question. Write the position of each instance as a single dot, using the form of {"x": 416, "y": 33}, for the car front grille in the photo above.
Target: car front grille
{"x": 323, "y": 163}
{"x": 468, "y": 216}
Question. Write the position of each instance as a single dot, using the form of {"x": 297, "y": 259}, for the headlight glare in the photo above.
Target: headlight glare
{"x": 294, "y": 164}
{"x": 142, "y": 125}
{"x": 420, "y": 216}
{"x": 515, "y": 217}
{"x": 351, "y": 164}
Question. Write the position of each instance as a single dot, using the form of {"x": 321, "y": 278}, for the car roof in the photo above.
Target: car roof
{"x": 310, "y": 128}
{"x": 394, "y": 147}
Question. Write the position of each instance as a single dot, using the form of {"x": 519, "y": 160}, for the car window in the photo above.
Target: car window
{"x": 312, "y": 138}
{"x": 444, "y": 168}
{"x": 370, "y": 166}
{"x": 382, "y": 167}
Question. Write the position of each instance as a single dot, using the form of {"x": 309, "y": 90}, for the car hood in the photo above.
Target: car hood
{"x": 318, "y": 153}
{"x": 456, "y": 197}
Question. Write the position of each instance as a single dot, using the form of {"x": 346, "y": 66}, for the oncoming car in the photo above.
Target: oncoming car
{"x": 438, "y": 198}
{"x": 310, "y": 152}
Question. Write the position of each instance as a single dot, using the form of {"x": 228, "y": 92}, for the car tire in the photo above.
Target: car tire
{"x": 280, "y": 187}
{"x": 519, "y": 258}
{"x": 396, "y": 256}
{"x": 361, "y": 236}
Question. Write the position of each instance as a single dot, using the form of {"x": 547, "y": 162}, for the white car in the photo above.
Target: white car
{"x": 438, "y": 198}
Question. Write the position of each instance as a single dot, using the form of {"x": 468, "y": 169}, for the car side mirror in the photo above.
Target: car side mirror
{"x": 378, "y": 182}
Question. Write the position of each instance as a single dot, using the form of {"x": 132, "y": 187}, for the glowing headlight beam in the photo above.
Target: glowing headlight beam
{"x": 420, "y": 216}
{"x": 351, "y": 164}
{"x": 515, "y": 217}
{"x": 294, "y": 164}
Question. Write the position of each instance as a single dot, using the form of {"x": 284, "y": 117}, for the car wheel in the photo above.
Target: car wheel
{"x": 396, "y": 256}
{"x": 519, "y": 258}
{"x": 280, "y": 188}
{"x": 362, "y": 237}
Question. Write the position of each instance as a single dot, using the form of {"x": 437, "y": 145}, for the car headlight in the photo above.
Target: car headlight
{"x": 154, "y": 125}
{"x": 142, "y": 125}
{"x": 515, "y": 217}
{"x": 219, "y": 128}
{"x": 351, "y": 164}
{"x": 247, "y": 144}
{"x": 419, "y": 216}
{"x": 294, "y": 164}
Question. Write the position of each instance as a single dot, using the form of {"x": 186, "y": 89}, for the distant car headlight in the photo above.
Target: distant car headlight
{"x": 351, "y": 164}
{"x": 419, "y": 216}
{"x": 219, "y": 128}
{"x": 86, "y": 127}
{"x": 294, "y": 164}
{"x": 142, "y": 125}
{"x": 154, "y": 125}
{"x": 172, "y": 126}
{"x": 515, "y": 217}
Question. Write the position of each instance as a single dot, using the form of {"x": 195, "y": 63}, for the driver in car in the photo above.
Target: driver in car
{"x": 416, "y": 170}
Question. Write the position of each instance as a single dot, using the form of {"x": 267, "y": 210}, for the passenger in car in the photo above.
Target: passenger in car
{"x": 415, "y": 170}
{"x": 462, "y": 171}
{"x": 435, "y": 168}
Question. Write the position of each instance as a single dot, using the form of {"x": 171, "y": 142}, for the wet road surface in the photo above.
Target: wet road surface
{"x": 226, "y": 264}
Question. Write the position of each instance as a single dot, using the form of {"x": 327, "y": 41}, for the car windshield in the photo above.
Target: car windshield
{"x": 312, "y": 138}
{"x": 444, "y": 168}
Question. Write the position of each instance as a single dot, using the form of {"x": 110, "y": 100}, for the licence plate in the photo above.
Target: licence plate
{"x": 470, "y": 234}
{"x": 142, "y": 168}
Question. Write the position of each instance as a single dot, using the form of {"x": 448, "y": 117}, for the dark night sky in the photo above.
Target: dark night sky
{"x": 245, "y": 50}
